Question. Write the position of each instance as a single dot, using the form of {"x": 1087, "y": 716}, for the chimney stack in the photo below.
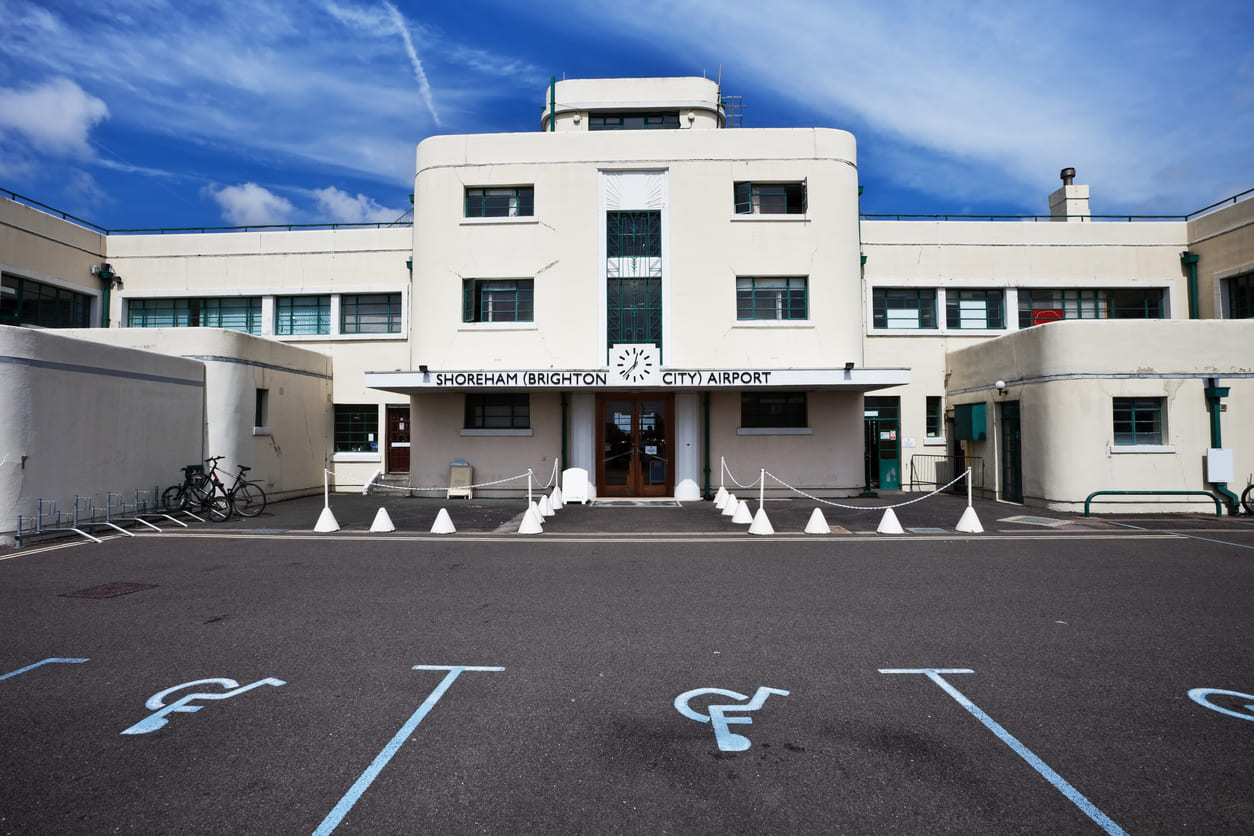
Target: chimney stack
{"x": 1071, "y": 202}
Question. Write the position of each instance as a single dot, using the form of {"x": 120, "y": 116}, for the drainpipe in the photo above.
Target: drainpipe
{"x": 1189, "y": 260}
{"x": 565, "y": 407}
{"x": 705, "y": 397}
{"x": 1214, "y": 394}
{"x": 552, "y": 103}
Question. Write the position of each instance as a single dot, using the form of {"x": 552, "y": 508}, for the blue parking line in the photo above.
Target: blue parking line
{"x": 363, "y": 783}
{"x": 42, "y": 662}
{"x": 1024, "y": 752}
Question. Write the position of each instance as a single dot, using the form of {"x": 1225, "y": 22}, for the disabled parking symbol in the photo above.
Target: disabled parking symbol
{"x": 722, "y": 716}
{"x": 186, "y": 703}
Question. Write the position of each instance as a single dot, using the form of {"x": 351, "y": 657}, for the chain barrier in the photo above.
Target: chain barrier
{"x": 373, "y": 484}
{"x": 868, "y": 507}
{"x": 727, "y": 471}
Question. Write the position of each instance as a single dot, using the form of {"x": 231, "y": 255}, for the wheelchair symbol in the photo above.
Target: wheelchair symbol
{"x": 157, "y": 700}
{"x": 718, "y": 717}
{"x": 1202, "y": 696}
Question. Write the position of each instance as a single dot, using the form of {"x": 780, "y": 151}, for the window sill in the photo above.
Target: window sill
{"x": 497, "y": 326}
{"x": 500, "y": 432}
{"x": 356, "y": 457}
{"x": 773, "y": 323}
{"x": 771, "y": 218}
{"x": 774, "y": 431}
{"x": 934, "y": 441}
{"x": 514, "y": 219}
{"x": 312, "y": 338}
{"x": 1117, "y": 449}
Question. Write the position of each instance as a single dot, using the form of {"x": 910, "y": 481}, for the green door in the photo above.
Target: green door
{"x": 882, "y": 448}
{"x": 1011, "y": 452}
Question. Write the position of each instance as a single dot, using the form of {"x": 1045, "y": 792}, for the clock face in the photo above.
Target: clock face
{"x": 635, "y": 363}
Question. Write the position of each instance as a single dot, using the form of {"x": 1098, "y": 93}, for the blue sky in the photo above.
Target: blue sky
{"x": 172, "y": 113}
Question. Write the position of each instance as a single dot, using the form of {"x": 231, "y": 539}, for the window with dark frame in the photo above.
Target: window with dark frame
{"x": 25, "y": 301}
{"x": 933, "y": 420}
{"x": 903, "y": 307}
{"x": 297, "y": 315}
{"x": 776, "y": 297}
{"x": 773, "y": 410}
{"x": 1138, "y": 421}
{"x": 666, "y": 120}
{"x": 974, "y": 309}
{"x": 370, "y": 313}
{"x": 356, "y": 428}
{"x": 752, "y": 198}
{"x": 498, "y": 300}
{"x": 1038, "y": 306}
{"x": 501, "y": 202}
{"x": 498, "y": 411}
{"x": 1240, "y": 296}
{"x": 234, "y": 313}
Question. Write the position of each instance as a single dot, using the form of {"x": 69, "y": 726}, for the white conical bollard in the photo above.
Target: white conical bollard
{"x": 742, "y": 515}
{"x": 729, "y": 507}
{"x": 443, "y": 524}
{"x": 545, "y": 507}
{"x": 326, "y": 521}
{"x": 889, "y": 524}
{"x": 969, "y": 522}
{"x": 818, "y": 524}
{"x": 556, "y": 498}
{"x": 720, "y": 498}
{"x": 382, "y": 521}
{"x": 532, "y": 522}
{"x": 761, "y": 525}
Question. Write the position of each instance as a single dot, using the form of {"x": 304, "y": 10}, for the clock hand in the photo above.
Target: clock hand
{"x": 635, "y": 363}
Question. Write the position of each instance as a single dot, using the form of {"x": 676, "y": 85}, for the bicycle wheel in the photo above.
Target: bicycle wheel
{"x": 174, "y": 498}
{"x": 215, "y": 505}
{"x": 1247, "y": 499}
{"x": 249, "y": 500}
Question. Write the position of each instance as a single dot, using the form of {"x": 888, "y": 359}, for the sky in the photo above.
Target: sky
{"x": 139, "y": 114}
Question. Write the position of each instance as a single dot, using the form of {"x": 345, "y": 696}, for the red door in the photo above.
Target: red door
{"x": 398, "y": 439}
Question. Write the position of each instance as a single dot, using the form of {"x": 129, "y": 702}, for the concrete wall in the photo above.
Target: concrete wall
{"x": 83, "y": 418}
{"x": 1065, "y": 376}
{"x": 1223, "y": 240}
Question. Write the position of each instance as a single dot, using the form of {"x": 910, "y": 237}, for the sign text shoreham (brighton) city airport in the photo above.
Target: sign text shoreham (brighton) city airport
{"x": 597, "y": 378}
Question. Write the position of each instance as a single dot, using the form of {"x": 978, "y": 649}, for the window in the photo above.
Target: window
{"x": 356, "y": 428}
{"x": 974, "y": 309}
{"x": 515, "y": 202}
{"x": 1038, "y": 306}
{"x": 633, "y": 270}
{"x": 770, "y": 198}
{"x": 374, "y": 313}
{"x": 236, "y": 313}
{"x": 771, "y": 298}
{"x": 28, "y": 302}
{"x": 903, "y": 308}
{"x": 302, "y": 315}
{"x": 932, "y": 426}
{"x": 509, "y": 411}
{"x": 1240, "y": 297}
{"x": 1138, "y": 421}
{"x": 262, "y": 411}
{"x": 668, "y": 120}
{"x": 773, "y": 409}
{"x": 497, "y": 300}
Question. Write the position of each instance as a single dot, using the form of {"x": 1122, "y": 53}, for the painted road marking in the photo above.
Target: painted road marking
{"x": 935, "y": 674}
{"x": 42, "y": 662}
{"x": 157, "y": 700}
{"x": 727, "y": 741}
{"x": 1201, "y": 695}
{"x": 363, "y": 783}
{"x": 1190, "y": 536}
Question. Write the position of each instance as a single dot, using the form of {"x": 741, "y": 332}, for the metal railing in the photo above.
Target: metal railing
{"x": 937, "y": 469}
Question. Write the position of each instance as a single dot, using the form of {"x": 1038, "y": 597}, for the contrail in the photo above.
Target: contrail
{"x": 423, "y": 85}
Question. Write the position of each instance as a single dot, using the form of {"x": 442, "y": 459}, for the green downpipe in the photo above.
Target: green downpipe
{"x": 104, "y": 306}
{"x": 1215, "y": 394}
{"x": 565, "y": 408}
{"x": 1189, "y": 260}
{"x": 705, "y": 402}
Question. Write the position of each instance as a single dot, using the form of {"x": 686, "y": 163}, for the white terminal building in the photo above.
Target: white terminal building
{"x": 641, "y": 291}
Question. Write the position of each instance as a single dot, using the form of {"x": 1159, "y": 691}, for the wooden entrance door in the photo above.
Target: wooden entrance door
{"x": 635, "y": 437}
{"x": 398, "y": 439}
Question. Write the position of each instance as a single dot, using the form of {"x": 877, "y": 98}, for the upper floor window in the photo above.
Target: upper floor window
{"x": 1240, "y": 292}
{"x": 1138, "y": 421}
{"x": 633, "y": 121}
{"x": 903, "y": 307}
{"x": 513, "y": 202}
{"x": 771, "y": 298}
{"x": 933, "y": 417}
{"x": 370, "y": 313}
{"x": 1040, "y": 305}
{"x": 25, "y": 301}
{"x": 302, "y": 315}
{"x": 974, "y": 309}
{"x": 236, "y": 313}
{"x": 769, "y": 198}
{"x": 498, "y": 300}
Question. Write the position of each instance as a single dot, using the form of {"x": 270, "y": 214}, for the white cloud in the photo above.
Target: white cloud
{"x": 251, "y": 205}
{"x": 340, "y": 206}
{"x": 55, "y": 117}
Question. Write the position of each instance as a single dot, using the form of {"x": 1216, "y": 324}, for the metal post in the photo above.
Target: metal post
{"x": 761, "y": 487}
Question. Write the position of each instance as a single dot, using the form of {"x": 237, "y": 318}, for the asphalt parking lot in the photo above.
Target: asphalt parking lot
{"x": 605, "y": 676}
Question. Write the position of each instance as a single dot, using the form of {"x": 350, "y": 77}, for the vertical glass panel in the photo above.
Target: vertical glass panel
{"x": 619, "y": 446}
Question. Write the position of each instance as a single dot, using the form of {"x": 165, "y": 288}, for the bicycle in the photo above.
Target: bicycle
{"x": 247, "y": 498}
{"x": 1247, "y": 496}
{"x": 199, "y": 490}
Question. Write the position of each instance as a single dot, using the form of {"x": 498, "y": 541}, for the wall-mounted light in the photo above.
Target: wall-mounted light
{"x": 1000, "y": 386}
{"x": 105, "y": 271}
{"x": 849, "y": 366}
{"x": 422, "y": 367}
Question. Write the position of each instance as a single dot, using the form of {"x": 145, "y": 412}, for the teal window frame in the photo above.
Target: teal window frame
{"x": 498, "y": 300}
{"x": 26, "y": 301}
{"x": 500, "y": 202}
{"x": 234, "y": 313}
{"x": 772, "y": 298}
{"x": 1240, "y": 290}
{"x": 974, "y": 309}
{"x": 498, "y": 411}
{"x": 934, "y": 417}
{"x": 662, "y": 120}
{"x": 356, "y": 428}
{"x": 773, "y": 410}
{"x": 782, "y": 198}
{"x": 1039, "y": 306}
{"x": 302, "y": 315}
{"x": 371, "y": 313}
{"x": 1139, "y": 421}
{"x": 907, "y": 308}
